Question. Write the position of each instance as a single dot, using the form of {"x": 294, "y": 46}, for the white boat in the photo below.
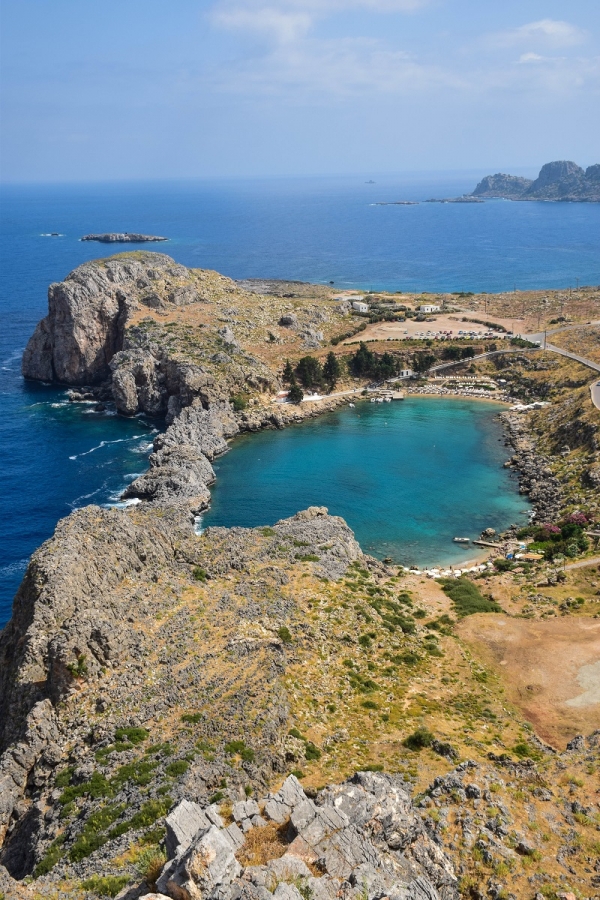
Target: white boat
{"x": 458, "y": 540}
{"x": 351, "y": 406}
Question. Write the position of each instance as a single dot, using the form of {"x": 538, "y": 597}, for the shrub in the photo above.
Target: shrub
{"x": 79, "y": 669}
{"x": 267, "y": 531}
{"x": 176, "y": 768}
{"x": 139, "y": 772}
{"x": 285, "y": 634}
{"x": 133, "y": 735}
{"x": 524, "y": 751}
{"x": 191, "y": 718}
{"x": 503, "y": 565}
{"x": 149, "y": 864}
{"x": 106, "y": 885}
{"x": 96, "y": 787}
{"x": 63, "y": 779}
{"x": 234, "y": 747}
{"x": 373, "y": 767}
{"x": 50, "y": 858}
{"x": 147, "y": 815}
{"x": 311, "y": 751}
{"x": 467, "y": 598}
{"x": 307, "y": 557}
{"x": 199, "y": 574}
{"x": 239, "y": 402}
{"x": 216, "y": 798}
{"x": 420, "y": 738}
{"x": 369, "y": 704}
{"x": 93, "y": 835}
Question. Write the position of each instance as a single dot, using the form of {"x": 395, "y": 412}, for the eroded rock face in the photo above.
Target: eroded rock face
{"x": 88, "y": 312}
{"x": 364, "y": 836}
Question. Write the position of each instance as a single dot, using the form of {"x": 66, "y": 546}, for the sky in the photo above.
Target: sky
{"x": 155, "y": 89}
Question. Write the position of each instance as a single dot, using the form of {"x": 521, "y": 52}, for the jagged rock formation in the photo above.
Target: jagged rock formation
{"x": 80, "y": 623}
{"x": 359, "y": 839}
{"x": 510, "y": 187}
{"x": 122, "y": 238}
{"x": 89, "y": 310}
{"x": 561, "y": 180}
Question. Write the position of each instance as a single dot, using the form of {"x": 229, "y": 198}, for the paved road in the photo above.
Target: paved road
{"x": 595, "y": 392}
{"x": 586, "y": 562}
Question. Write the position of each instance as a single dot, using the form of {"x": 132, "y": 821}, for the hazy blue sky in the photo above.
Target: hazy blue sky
{"x": 172, "y": 88}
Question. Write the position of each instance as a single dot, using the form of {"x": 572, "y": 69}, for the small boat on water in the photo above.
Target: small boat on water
{"x": 459, "y": 540}
{"x": 351, "y": 406}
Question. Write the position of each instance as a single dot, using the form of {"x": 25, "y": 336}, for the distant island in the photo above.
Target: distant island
{"x": 125, "y": 238}
{"x": 562, "y": 180}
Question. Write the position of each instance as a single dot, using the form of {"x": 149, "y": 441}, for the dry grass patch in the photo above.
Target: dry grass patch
{"x": 263, "y": 844}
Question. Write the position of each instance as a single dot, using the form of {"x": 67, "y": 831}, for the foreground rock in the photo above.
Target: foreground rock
{"x": 362, "y": 839}
{"x": 123, "y": 238}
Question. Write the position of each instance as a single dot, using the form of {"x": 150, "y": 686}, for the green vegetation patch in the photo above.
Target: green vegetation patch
{"x": 419, "y": 739}
{"x": 50, "y": 858}
{"x": 239, "y": 748}
{"x": 133, "y": 735}
{"x": 93, "y": 835}
{"x": 467, "y": 598}
{"x": 106, "y": 885}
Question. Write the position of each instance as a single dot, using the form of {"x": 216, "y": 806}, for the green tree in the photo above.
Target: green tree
{"x": 423, "y": 361}
{"x": 288, "y": 372}
{"x": 295, "y": 393}
{"x": 310, "y": 372}
{"x": 331, "y": 370}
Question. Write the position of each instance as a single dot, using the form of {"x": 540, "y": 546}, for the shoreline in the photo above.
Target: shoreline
{"x": 314, "y": 409}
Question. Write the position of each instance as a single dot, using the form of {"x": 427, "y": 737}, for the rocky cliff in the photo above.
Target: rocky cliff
{"x": 509, "y": 187}
{"x": 561, "y": 180}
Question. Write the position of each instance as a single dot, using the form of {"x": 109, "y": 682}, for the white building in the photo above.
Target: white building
{"x": 428, "y": 308}
{"x": 360, "y": 306}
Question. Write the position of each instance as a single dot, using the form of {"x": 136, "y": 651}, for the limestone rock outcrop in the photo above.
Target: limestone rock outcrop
{"x": 88, "y": 312}
{"x": 362, "y": 839}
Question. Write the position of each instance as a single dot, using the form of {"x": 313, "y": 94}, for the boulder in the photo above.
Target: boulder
{"x": 208, "y": 863}
{"x": 182, "y": 824}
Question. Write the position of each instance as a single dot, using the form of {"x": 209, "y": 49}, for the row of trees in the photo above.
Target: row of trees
{"x": 311, "y": 375}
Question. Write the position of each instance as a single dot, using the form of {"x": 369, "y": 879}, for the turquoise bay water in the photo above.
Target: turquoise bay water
{"x": 407, "y": 476}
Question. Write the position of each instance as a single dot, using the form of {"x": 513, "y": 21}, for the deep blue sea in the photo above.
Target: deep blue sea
{"x": 57, "y": 456}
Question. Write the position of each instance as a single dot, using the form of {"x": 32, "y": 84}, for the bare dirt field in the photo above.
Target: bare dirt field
{"x": 549, "y": 669}
{"x": 410, "y": 329}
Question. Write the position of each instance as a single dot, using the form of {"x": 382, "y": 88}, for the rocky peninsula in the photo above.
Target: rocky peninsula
{"x": 257, "y": 712}
{"x": 562, "y": 181}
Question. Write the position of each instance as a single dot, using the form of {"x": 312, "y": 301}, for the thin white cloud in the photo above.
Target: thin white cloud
{"x": 283, "y": 27}
{"x": 545, "y": 32}
{"x": 288, "y": 20}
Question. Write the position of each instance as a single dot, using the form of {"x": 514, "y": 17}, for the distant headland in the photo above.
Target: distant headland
{"x": 124, "y": 238}
{"x": 562, "y": 181}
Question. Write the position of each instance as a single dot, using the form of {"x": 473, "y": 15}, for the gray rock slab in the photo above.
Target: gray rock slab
{"x": 183, "y": 824}
{"x": 234, "y": 835}
{"x": 285, "y": 891}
